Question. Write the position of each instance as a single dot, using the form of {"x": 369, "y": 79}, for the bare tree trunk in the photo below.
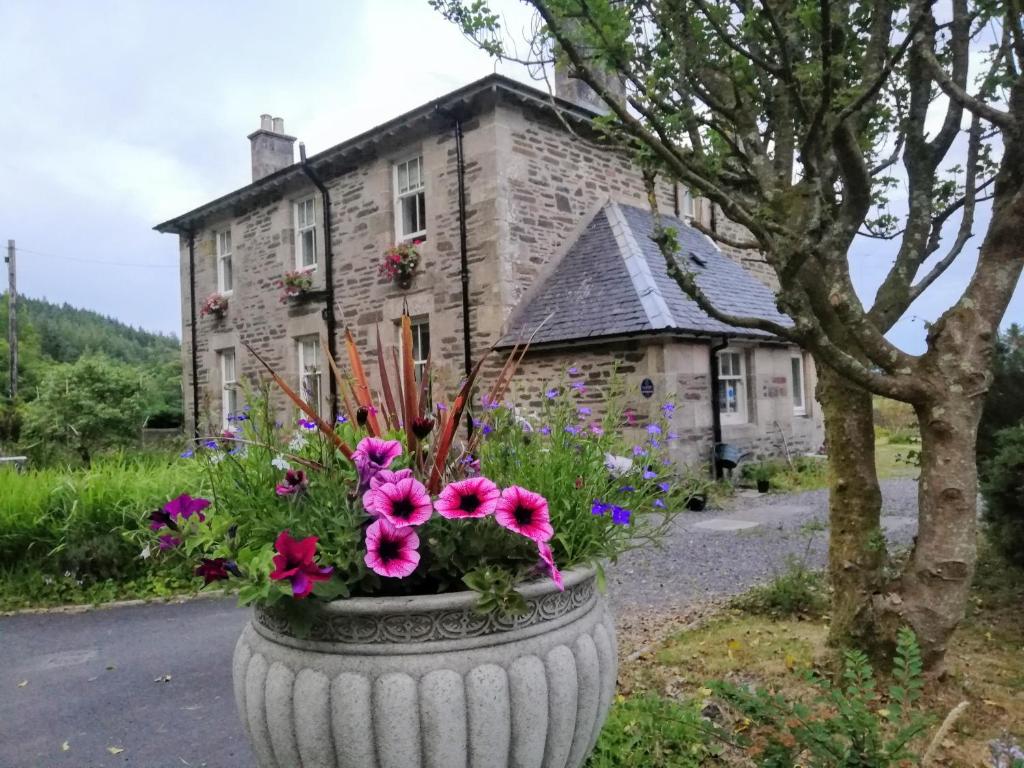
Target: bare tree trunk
{"x": 856, "y": 544}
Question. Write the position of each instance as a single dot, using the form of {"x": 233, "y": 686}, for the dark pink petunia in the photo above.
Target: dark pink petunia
{"x": 295, "y": 481}
{"x": 547, "y": 563}
{"x": 383, "y": 477}
{"x": 474, "y": 497}
{"x": 403, "y": 503}
{"x": 524, "y": 512}
{"x": 294, "y": 562}
{"x": 178, "y": 509}
{"x": 391, "y": 551}
{"x": 212, "y": 569}
{"x": 167, "y": 541}
{"x": 372, "y": 454}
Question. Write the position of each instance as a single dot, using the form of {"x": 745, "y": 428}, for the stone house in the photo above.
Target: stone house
{"x": 523, "y": 215}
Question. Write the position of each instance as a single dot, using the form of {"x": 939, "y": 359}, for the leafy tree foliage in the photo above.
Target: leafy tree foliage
{"x": 1003, "y": 490}
{"x": 1004, "y": 403}
{"x": 90, "y": 404}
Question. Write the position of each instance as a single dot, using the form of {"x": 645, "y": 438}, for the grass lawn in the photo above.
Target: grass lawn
{"x": 985, "y": 667}
{"x": 888, "y": 460}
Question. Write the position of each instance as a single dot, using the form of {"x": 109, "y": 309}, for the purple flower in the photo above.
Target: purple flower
{"x": 627, "y": 489}
{"x": 167, "y": 541}
{"x": 441, "y": 407}
{"x": 545, "y": 430}
{"x": 584, "y": 411}
{"x": 673, "y": 435}
{"x": 487, "y": 429}
{"x": 653, "y": 429}
{"x": 620, "y": 515}
{"x": 188, "y": 454}
{"x": 373, "y": 454}
{"x": 579, "y": 386}
{"x": 342, "y": 418}
{"x": 639, "y": 450}
{"x": 210, "y": 443}
{"x": 664, "y": 487}
{"x": 659, "y": 503}
{"x": 488, "y": 404}
{"x": 597, "y": 429}
{"x": 654, "y": 443}
{"x": 551, "y": 394}
{"x": 572, "y": 429}
{"x": 599, "y": 507}
{"x": 307, "y": 424}
{"x": 177, "y": 509}
{"x": 649, "y": 475}
{"x": 668, "y": 407}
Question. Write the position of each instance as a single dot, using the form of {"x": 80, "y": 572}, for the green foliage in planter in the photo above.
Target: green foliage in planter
{"x": 848, "y": 724}
{"x": 654, "y": 732}
{"x": 1003, "y": 490}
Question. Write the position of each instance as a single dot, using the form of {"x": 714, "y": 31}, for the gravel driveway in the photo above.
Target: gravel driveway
{"x": 700, "y": 564}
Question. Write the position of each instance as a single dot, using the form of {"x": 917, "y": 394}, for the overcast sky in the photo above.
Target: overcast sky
{"x": 118, "y": 115}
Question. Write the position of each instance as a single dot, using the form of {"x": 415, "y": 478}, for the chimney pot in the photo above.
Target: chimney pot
{"x": 278, "y": 125}
{"x": 265, "y": 123}
{"x": 272, "y": 149}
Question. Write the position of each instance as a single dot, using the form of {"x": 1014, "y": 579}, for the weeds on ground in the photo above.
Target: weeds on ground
{"x": 22, "y": 587}
{"x": 798, "y": 591}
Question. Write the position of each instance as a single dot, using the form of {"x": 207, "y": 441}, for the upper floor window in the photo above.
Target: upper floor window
{"x": 225, "y": 275}
{"x": 685, "y": 202}
{"x": 732, "y": 387}
{"x": 228, "y": 386}
{"x": 410, "y": 199}
{"x": 305, "y": 233}
{"x": 308, "y": 349}
{"x": 797, "y": 381}
{"x": 420, "y": 346}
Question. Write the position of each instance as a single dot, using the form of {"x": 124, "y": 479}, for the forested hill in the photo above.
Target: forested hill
{"x": 65, "y": 333}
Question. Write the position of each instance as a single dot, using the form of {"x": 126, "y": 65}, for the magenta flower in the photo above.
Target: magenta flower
{"x": 525, "y": 513}
{"x": 295, "y": 481}
{"x": 391, "y": 551}
{"x": 294, "y": 562}
{"x": 372, "y": 455}
{"x": 403, "y": 503}
{"x": 212, "y": 570}
{"x": 422, "y": 426}
{"x": 167, "y": 541}
{"x": 474, "y": 497}
{"x": 175, "y": 510}
{"x": 383, "y": 477}
{"x": 596, "y": 429}
{"x": 547, "y": 564}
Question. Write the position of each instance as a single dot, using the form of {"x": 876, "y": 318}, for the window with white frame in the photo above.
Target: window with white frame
{"x": 225, "y": 275}
{"x": 732, "y": 387}
{"x": 410, "y": 199}
{"x": 798, "y": 383}
{"x": 228, "y": 386}
{"x": 685, "y": 202}
{"x": 305, "y": 234}
{"x": 420, "y": 346}
{"x": 308, "y": 348}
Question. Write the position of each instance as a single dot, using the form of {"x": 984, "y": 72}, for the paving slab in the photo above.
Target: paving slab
{"x": 726, "y": 524}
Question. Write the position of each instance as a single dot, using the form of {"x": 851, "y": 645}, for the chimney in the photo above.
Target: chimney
{"x": 271, "y": 147}
{"x": 570, "y": 88}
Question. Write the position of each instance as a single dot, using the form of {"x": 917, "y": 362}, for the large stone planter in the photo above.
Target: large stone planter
{"x": 425, "y": 682}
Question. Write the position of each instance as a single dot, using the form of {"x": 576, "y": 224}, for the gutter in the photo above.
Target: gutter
{"x": 716, "y": 414}
{"x": 192, "y": 329}
{"x": 328, "y": 312}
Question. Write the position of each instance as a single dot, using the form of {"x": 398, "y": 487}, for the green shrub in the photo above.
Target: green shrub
{"x": 1003, "y": 490}
{"x": 849, "y": 724}
{"x": 653, "y": 732}
{"x": 1004, "y": 401}
{"x": 904, "y": 436}
{"x": 797, "y": 591}
{"x": 806, "y": 474}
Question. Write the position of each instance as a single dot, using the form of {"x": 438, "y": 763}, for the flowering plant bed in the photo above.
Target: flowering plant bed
{"x": 400, "y": 262}
{"x": 216, "y": 304}
{"x": 295, "y": 283}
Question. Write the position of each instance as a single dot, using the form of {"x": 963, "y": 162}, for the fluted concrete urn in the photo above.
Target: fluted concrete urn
{"x": 426, "y": 682}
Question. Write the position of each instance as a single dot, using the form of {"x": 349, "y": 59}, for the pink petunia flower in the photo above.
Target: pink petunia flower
{"x": 295, "y": 482}
{"x": 403, "y": 503}
{"x": 176, "y": 510}
{"x": 547, "y": 562}
{"x": 391, "y": 551}
{"x": 474, "y": 497}
{"x": 383, "y": 477}
{"x": 373, "y": 454}
{"x": 524, "y": 512}
{"x": 168, "y": 542}
{"x": 294, "y": 562}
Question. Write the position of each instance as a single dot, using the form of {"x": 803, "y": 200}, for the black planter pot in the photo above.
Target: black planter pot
{"x": 697, "y": 502}
{"x": 763, "y": 486}
{"x": 404, "y": 281}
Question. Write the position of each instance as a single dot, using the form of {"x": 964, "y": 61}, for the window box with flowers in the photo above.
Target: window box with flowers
{"x": 420, "y": 596}
{"x": 400, "y": 262}
{"x": 295, "y": 284}
{"x": 216, "y": 305}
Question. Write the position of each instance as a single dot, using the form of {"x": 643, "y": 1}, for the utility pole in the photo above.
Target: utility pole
{"x": 12, "y": 317}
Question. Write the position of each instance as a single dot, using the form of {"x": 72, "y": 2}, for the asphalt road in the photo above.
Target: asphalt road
{"x": 96, "y": 680}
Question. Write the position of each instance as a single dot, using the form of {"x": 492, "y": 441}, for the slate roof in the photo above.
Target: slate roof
{"x": 612, "y": 281}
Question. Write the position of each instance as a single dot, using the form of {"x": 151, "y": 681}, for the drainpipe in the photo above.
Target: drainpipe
{"x": 716, "y": 413}
{"x": 192, "y": 330}
{"x": 329, "y": 277}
